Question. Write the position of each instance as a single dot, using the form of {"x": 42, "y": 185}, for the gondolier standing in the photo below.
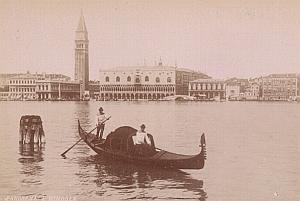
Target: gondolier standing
{"x": 100, "y": 122}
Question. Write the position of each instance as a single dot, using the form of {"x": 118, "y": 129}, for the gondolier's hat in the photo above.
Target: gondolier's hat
{"x": 100, "y": 109}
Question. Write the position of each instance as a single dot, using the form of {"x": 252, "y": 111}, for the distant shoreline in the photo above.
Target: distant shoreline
{"x": 204, "y": 101}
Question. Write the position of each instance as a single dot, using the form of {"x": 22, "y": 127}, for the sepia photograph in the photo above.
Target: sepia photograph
{"x": 149, "y": 100}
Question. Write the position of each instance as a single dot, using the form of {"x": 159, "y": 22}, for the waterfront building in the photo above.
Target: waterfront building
{"x": 232, "y": 91}
{"x": 82, "y": 56}
{"x": 242, "y": 83}
{"x": 238, "y": 89}
{"x": 280, "y": 87}
{"x": 252, "y": 91}
{"x": 289, "y": 75}
{"x": 57, "y": 90}
{"x": 4, "y": 95}
{"x": 94, "y": 88}
{"x": 22, "y": 87}
{"x": 4, "y": 80}
{"x": 184, "y": 76}
{"x": 144, "y": 82}
{"x": 207, "y": 89}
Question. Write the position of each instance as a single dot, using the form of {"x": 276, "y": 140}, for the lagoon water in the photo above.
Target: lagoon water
{"x": 253, "y": 152}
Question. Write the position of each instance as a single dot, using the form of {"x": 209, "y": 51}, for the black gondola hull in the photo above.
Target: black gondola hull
{"x": 161, "y": 158}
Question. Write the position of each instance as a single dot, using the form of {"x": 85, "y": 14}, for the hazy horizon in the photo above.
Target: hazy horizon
{"x": 220, "y": 38}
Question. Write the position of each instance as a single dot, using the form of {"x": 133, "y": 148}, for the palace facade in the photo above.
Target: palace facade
{"x": 145, "y": 82}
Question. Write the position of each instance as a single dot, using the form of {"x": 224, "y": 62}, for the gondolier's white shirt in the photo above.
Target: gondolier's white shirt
{"x": 140, "y": 138}
{"x": 100, "y": 119}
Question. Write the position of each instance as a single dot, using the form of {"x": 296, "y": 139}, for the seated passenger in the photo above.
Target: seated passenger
{"x": 141, "y": 137}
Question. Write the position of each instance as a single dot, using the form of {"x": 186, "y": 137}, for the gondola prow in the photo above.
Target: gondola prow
{"x": 203, "y": 145}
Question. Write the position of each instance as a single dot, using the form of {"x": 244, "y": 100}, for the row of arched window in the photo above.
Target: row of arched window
{"x": 164, "y": 88}
{"x": 17, "y": 95}
{"x": 137, "y": 80}
{"x": 133, "y": 96}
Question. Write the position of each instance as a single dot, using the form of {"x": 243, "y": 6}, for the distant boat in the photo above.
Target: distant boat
{"x": 119, "y": 146}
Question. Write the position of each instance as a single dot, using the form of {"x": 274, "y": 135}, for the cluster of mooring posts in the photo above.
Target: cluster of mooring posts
{"x": 31, "y": 130}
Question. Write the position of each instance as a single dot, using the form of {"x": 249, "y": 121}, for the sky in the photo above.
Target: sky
{"x": 225, "y": 38}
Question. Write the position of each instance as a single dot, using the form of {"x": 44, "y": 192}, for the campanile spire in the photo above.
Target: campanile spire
{"x": 82, "y": 56}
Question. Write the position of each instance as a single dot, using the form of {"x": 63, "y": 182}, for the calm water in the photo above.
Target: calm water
{"x": 253, "y": 152}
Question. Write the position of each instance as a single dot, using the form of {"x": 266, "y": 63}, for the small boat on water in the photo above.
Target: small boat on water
{"x": 119, "y": 145}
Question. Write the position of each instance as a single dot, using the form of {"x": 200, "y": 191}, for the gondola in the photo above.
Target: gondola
{"x": 119, "y": 145}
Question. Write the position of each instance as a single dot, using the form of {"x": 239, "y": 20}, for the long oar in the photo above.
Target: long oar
{"x": 63, "y": 154}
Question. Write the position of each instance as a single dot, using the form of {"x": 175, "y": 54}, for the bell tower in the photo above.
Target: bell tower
{"x": 82, "y": 56}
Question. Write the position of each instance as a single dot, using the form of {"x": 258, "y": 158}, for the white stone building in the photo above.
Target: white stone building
{"x": 57, "y": 90}
{"x": 232, "y": 92}
{"x": 4, "y": 95}
{"x": 207, "y": 89}
{"x": 137, "y": 82}
{"x": 279, "y": 87}
{"x": 22, "y": 87}
{"x": 144, "y": 82}
{"x": 252, "y": 91}
{"x": 4, "y": 80}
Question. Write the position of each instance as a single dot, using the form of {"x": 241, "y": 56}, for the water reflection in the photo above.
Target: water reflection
{"x": 31, "y": 156}
{"x": 82, "y": 112}
{"x": 140, "y": 182}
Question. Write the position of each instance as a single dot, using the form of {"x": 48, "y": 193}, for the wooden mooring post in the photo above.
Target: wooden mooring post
{"x": 31, "y": 130}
